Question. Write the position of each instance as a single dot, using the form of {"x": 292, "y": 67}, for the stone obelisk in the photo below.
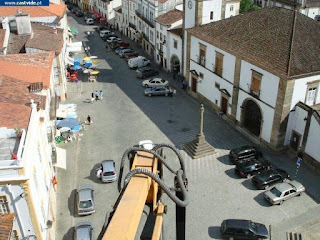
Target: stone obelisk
{"x": 199, "y": 147}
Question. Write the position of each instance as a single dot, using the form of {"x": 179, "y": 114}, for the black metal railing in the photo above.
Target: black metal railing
{"x": 147, "y": 21}
{"x": 132, "y": 26}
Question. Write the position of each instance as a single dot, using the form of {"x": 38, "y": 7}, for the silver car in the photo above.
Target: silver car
{"x": 84, "y": 200}
{"x": 83, "y": 231}
{"x": 284, "y": 191}
{"x": 108, "y": 171}
{"x": 158, "y": 91}
{"x": 155, "y": 82}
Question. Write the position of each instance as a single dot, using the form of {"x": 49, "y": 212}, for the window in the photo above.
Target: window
{"x": 218, "y": 64}
{"x": 151, "y": 36}
{"x": 164, "y": 38}
{"x": 4, "y": 205}
{"x": 211, "y": 15}
{"x": 202, "y": 55}
{"x": 175, "y": 44}
{"x": 231, "y": 8}
{"x": 255, "y": 83}
{"x": 311, "y": 95}
{"x": 157, "y": 34}
{"x": 160, "y": 36}
{"x": 165, "y": 63}
{"x": 217, "y": 85}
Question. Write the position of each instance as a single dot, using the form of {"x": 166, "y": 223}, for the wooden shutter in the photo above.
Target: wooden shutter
{"x": 219, "y": 64}
{"x": 256, "y": 83}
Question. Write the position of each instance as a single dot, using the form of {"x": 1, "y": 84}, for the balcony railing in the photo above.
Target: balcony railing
{"x": 150, "y": 23}
{"x": 132, "y": 26}
{"x": 254, "y": 92}
{"x": 202, "y": 61}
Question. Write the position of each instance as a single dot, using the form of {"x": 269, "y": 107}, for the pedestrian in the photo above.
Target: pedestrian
{"x": 184, "y": 84}
{"x": 96, "y": 94}
{"x": 101, "y": 94}
{"x": 89, "y": 120}
{"x": 179, "y": 75}
{"x": 92, "y": 97}
{"x": 174, "y": 93}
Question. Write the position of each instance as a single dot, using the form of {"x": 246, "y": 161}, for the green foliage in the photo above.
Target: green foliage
{"x": 247, "y": 6}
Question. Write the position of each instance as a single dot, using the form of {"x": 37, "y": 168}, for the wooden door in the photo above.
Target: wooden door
{"x": 224, "y": 105}
{"x": 194, "y": 84}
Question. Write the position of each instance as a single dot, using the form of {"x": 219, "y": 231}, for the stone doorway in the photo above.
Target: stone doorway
{"x": 251, "y": 117}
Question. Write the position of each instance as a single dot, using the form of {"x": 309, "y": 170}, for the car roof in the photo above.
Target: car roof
{"x": 243, "y": 148}
{"x": 282, "y": 187}
{"x": 83, "y": 231}
{"x": 238, "y": 223}
{"x": 156, "y": 79}
{"x": 85, "y": 192}
{"x": 108, "y": 165}
{"x": 144, "y": 68}
{"x": 248, "y": 163}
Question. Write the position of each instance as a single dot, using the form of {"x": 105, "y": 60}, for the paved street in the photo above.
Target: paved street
{"x": 125, "y": 116}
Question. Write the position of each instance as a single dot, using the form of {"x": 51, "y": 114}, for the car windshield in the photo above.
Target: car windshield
{"x": 275, "y": 192}
{"x": 253, "y": 226}
{"x": 154, "y": 88}
{"x": 108, "y": 173}
{"x": 85, "y": 204}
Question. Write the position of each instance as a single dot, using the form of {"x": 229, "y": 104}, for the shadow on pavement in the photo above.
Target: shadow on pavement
{"x": 72, "y": 203}
{"x": 225, "y": 160}
{"x": 69, "y": 234}
{"x": 93, "y": 176}
{"x": 248, "y": 184}
{"x": 214, "y": 232}
{"x": 262, "y": 201}
{"x": 231, "y": 173}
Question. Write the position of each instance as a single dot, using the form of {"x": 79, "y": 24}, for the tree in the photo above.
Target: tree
{"x": 247, "y": 6}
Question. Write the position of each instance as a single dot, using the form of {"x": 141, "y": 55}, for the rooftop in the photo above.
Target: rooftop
{"x": 279, "y": 40}
{"x": 31, "y": 67}
{"x": 57, "y": 10}
{"x": 177, "y": 31}
{"x": 169, "y": 17}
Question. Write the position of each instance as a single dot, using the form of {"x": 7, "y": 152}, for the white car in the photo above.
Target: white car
{"x": 104, "y": 32}
{"x": 90, "y": 21}
{"x": 155, "y": 82}
{"x": 111, "y": 39}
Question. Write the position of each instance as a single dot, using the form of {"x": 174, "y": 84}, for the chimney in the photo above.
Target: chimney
{"x": 23, "y": 23}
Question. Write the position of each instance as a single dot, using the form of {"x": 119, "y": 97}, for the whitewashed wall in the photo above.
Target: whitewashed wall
{"x": 312, "y": 146}
{"x": 209, "y": 6}
{"x": 300, "y": 90}
{"x": 269, "y": 83}
{"x": 236, "y": 8}
{"x": 174, "y": 51}
{"x": 190, "y": 15}
{"x": 296, "y": 123}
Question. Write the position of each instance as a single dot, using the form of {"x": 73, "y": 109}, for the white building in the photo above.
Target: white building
{"x": 309, "y": 8}
{"x": 256, "y": 73}
{"x": 106, "y": 9}
{"x": 146, "y": 12}
{"x": 169, "y": 44}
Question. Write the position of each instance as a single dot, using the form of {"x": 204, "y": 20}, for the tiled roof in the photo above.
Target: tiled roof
{"x": 162, "y": 1}
{"x": 17, "y": 43}
{"x": 266, "y": 38}
{"x": 33, "y": 67}
{"x": 44, "y": 38}
{"x": 118, "y": 9}
{"x": 312, "y": 3}
{"x": 2, "y": 35}
{"x": 14, "y": 116}
{"x": 6, "y": 224}
{"x": 169, "y": 17}
{"x": 177, "y": 31}
{"x": 17, "y": 91}
{"x": 52, "y": 10}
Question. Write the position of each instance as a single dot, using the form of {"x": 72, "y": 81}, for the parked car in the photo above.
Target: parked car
{"x": 146, "y": 72}
{"x": 269, "y": 177}
{"x": 83, "y": 231}
{"x": 158, "y": 91}
{"x": 79, "y": 13}
{"x": 107, "y": 171}
{"x": 124, "y": 44}
{"x": 84, "y": 200}
{"x": 107, "y": 36}
{"x": 243, "y": 229}
{"x": 74, "y": 10}
{"x": 117, "y": 51}
{"x": 70, "y": 7}
{"x": 252, "y": 167}
{"x": 155, "y": 82}
{"x": 138, "y": 62}
{"x": 90, "y": 21}
{"x": 89, "y": 15}
{"x": 104, "y": 32}
{"x": 284, "y": 191}
{"x": 128, "y": 53}
{"x": 244, "y": 153}
{"x": 100, "y": 28}
{"x": 114, "y": 46}
{"x": 112, "y": 38}
{"x": 131, "y": 55}
{"x": 125, "y": 50}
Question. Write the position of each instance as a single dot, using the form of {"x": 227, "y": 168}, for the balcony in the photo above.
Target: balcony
{"x": 145, "y": 37}
{"x": 150, "y": 23}
{"x": 132, "y": 26}
{"x": 202, "y": 61}
{"x": 254, "y": 92}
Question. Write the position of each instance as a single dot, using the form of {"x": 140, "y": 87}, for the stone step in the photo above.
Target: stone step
{"x": 194, "y": 149}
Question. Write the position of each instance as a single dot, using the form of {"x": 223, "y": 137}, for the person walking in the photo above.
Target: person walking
{"x": 184, "y": 84}
{"x": 101, "y": 94}
{"x": 96, "y": 94}
{"x": 89, "y": 120}
{"x": 92, "y": 97}
{"x": 174, "y": 93}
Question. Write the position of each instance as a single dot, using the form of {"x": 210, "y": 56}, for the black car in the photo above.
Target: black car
{"x": 244, "y": 153}
{"x": 146, "y": 72}
{"x": 74, "y": 10}
{"x": 79, "y": 13}
{"x": 269, "y": 177}
{"x": 70, "y": 7}
{"x": 243, "y": 229}
{"x": 252, "y": 167}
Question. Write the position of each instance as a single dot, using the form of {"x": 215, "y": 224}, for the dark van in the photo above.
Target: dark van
{"x": 244, "y": 153}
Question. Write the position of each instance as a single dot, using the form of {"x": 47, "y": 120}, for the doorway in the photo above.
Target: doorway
{"x": 252, "y": 117}
{"x": 295, "y": 140}
{"x": 194, "y": 84}
{"x": 224, "y": 104}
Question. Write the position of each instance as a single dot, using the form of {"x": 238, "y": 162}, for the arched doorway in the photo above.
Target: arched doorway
{"x": 174, "y": 63}
{"x": 251, "y": 117}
